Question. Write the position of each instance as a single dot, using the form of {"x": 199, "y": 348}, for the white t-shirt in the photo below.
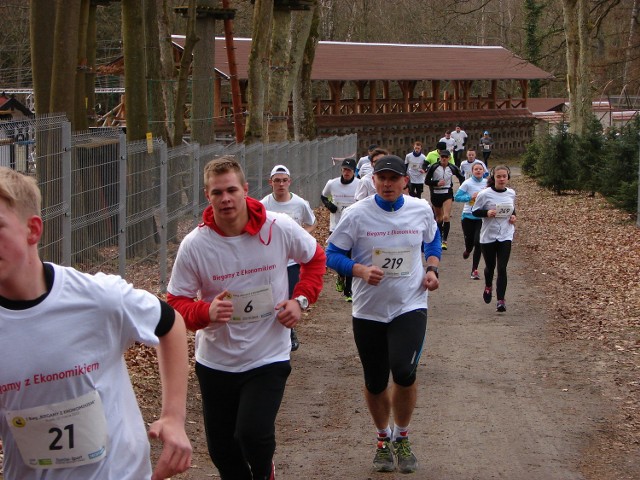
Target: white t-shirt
{"x": 362, "y": 161}
{"x": 459, "y": 138}
{"x": 365, "y": 188}
{"x": 394, "y": 239}
{"x": 471, "y": 186}
{"x": 254, "y": 269}
{"x": 414, "y": 166}
{"x": 68, "y": 347}
{"x": 341, "y": 195}
{"x": 365, "y": 169}
{"x": 496, "y": 229}
{"x": 296, "y": 207}
{"x": 451, "y": 143}
{"x": 466, "y": 167}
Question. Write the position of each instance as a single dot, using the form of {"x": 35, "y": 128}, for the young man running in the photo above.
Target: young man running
{"x": 230, "y": 283}
{"x": 283, "y": 201}
{"x": 337, "y": 195}
{"x": 386, "y": 233}
{"x": 415, "y": 169}
{"x": 67, "y": 408}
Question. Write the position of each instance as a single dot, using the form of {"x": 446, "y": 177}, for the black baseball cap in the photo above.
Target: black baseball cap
{"x": 349, "y": 163}
{"x": 390, "y": 163}
{"x": 445, "y": 153}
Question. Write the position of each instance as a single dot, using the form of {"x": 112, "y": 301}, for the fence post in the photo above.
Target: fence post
{"x": 65, "y": 133}
{"x": 122, "y": 207}
{"x": 197, "y": 184}
{"x": 164, "y": 178}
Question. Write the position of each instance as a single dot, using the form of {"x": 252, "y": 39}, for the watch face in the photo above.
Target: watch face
{"x": 304, "y": 303}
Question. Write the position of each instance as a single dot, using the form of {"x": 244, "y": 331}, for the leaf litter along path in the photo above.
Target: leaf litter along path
{"x": 538, "y": 392}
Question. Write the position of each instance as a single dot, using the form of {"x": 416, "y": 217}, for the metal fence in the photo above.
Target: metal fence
{"x": 119, "y": 207}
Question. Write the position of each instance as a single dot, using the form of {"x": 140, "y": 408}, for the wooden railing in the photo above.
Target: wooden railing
{"x": 382, "y": 106}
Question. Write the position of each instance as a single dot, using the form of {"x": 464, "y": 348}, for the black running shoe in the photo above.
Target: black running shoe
{"x": 295, "y": 343}
{"x": 486, "y": 295}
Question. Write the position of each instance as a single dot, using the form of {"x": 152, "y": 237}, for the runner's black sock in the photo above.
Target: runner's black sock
{"x": 445, "y": 230}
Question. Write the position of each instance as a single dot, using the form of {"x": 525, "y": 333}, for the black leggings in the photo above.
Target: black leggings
{"x": 416, "y": 189}
{"x": 471, "y": 230}
{"x": 240, "y": 411}
{"x": 390, "y": 347}
{"x": 500, "y": 252}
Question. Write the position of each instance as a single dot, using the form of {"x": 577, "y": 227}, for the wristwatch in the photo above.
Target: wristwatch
{"x": 433, "y": 269}
{"x": 303, "y": 302}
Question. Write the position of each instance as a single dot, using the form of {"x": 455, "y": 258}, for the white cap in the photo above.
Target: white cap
{"x": 280, "y": 169}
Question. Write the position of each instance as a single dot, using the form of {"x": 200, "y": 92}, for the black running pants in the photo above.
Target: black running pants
{"x": 240, "y": 410}
{"x": 496, "y": 253}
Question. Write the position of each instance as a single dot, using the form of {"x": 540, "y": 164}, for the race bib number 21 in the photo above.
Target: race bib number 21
{"x": 61, "y": 435}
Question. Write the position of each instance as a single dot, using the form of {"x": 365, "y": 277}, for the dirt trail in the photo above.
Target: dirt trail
{"x": 497, "y": 398}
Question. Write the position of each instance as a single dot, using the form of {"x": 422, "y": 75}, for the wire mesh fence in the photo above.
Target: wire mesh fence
{"x": 113, "y": 206}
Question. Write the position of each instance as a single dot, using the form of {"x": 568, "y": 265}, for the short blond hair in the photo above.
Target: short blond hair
{"x": 222, "y": 165}
{"x": 21, "y": 192}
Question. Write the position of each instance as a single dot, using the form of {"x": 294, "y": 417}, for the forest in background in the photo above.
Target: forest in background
{"x": 531, "y": 29}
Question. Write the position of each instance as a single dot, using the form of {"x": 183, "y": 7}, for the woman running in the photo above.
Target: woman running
{"x": 471, "y": 224}
{"x": 496, "y": 206}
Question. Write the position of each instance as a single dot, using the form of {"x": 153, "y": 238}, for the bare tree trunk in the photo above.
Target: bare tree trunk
{"x": 258, "y": 69}
{"x": 81, "y": 100}
{"x": 576, "y": 26}
{"x": 41, "y": 35}
{"x": 304, "y": 122}
{"x": 90, "y": 77}
{"x": 65, "y": 56}
{"x": 300, "y": 28}
{"x": 165, "y": 27}
{"x": 183, "y": 75}
{"x": 280, "y": 69}
{"x": 202, "y": 80}
{"x": 631, "y": 42}
{"x": 140, "y": 235}
{"x": 135, "y": 84}
{"x": 156, "y": 107}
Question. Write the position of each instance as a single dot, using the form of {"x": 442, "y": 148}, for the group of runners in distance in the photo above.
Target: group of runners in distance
{"x": 241, "y": 280}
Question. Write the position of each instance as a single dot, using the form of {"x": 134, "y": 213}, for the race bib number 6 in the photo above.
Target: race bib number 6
{"x": 394, "y": 262}
{"x": 61, "y": 435}
{"x": 252, "y": 305}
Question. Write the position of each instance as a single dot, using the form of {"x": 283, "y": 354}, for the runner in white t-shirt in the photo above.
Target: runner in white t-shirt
{"x": 283, "y": 201}
{"x": 496, "y": 206}
{"x": 415, "y": 161}
{"x": 449, "y": 141}
{"x": 230, "y": 283}
{"x": 460, "y": 137}
{"x": 366, "y": 188}
{"x": 338, "y": 194}
{"x": 365, "y": 162}
{"x": 467, "y": 165}
{"x": 67, "y": 407}
{"x": 386, "y": 234}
